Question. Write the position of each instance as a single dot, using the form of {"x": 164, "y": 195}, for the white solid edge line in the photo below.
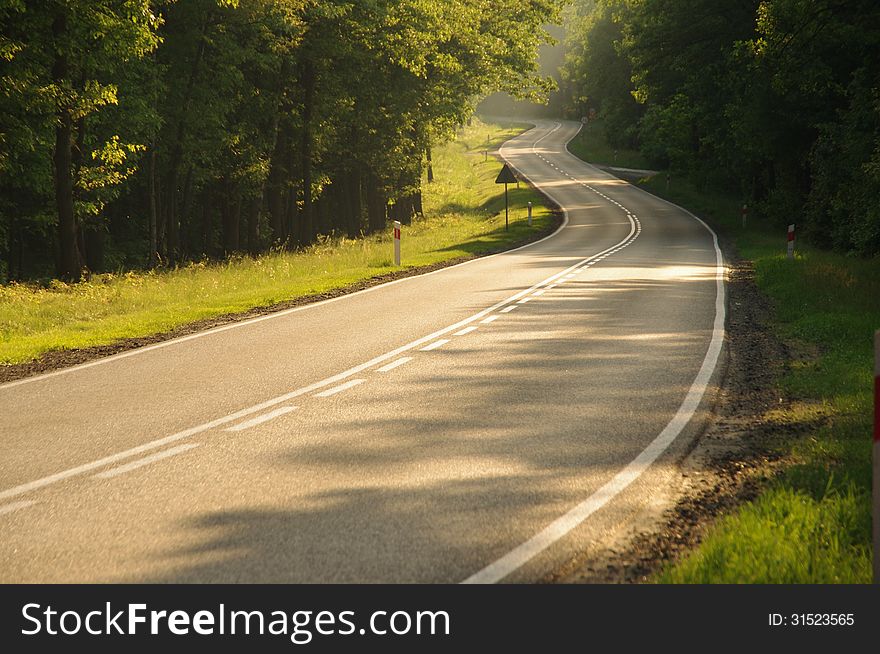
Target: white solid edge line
{"x": 433, "y": 346}
{"x": 517, "y": 557}
{"x": 285, "y": 312}
{"x": 140, "y": 463}
{"x": 15, "y": 506}
{"x": 217, "y": 422}
{"x": 342, "y": 387}
{"x": 253, "y": 422}
{"x": 394, "y": 364}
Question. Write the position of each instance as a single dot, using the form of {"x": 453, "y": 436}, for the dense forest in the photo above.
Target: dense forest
{"x": 150, "y": 132}
{"x": 775, "y": 100}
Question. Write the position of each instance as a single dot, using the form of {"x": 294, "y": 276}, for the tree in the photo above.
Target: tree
{"x": 69, "y": 55}
{"x": 192, "y": 128}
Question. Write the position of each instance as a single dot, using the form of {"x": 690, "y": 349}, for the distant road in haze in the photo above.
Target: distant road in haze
{"x": 485, "y": 422}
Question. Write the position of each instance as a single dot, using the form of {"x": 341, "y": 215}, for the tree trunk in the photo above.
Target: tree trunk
{"x": 207, "y": 245}
{"x": 307, "y": 84}
{"x": 69, "y": 260}
{"x": 20, "y": 253}
{"x": 153, "y": 258}
{"x": 430, "y": 163}
{"x": 13, "y": 246}
{"x": 230, "y": 221}
{"x": 7, "y": 252}
{"x": 377, "y": 203}
{"x": 277, "y": 181}
{"x": 171, "y": 220}
{"x": 290, "y": 214}
{"x": 324, "y": 214}
{"x": 253, "y": 225}
{"x": 93, "y": 239}
{"x": 353, "y": 202}
{"x": 184, "y": 229}
{"x": 408, "y": 203}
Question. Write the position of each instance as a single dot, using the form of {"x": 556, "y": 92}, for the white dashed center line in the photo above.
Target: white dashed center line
{"x": 440, "y": 342}
{"x": 15, "y": 506}
{"x": 340, "y": 388}
{"x": 253, "y": 422}
{"x": 134, "y": 465}
{"x": 394, "y": 364}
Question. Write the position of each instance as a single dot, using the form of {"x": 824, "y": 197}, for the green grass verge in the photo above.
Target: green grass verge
{"x": 812, "y": 524}
{"x": 591, "y": 145}
{"x": 464, "y": 215}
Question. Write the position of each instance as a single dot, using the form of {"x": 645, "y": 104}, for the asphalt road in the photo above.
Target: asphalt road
{"x": 485, "y": 422}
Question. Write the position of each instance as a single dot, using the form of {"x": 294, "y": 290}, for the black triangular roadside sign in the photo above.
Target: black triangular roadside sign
{"x": 506, "y": 176}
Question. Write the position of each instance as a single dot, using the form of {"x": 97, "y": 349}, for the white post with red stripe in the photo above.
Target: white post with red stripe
{"x": 745, "y": 214}
{"x": 396, "y": 242}
{"x": 877, "y": 457}
{"x": 791, "y": 241}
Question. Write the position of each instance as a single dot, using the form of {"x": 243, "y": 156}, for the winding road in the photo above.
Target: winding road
{"x": 486, "y": 422}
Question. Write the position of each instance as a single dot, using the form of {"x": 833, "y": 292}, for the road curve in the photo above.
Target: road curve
{"x": 486, "y": 422}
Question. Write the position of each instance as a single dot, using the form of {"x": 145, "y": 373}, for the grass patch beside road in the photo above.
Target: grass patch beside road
{"x": 464, "y": 216}
{"x": 812, "y": 524}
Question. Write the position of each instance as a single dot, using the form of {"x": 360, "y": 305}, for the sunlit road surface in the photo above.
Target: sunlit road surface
{"x": 483, "y": 423}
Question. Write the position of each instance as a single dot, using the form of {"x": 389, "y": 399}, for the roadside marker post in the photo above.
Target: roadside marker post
{"x": 745, "y": 214}
{"x": 396, "y": 242}
{"x": 876, "y": 489}
{"x": 530, "y": 214}
{"x": 791, "y": 241}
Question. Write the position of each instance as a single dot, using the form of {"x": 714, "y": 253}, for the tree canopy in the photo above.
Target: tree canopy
{"x": 777, "y": 100}
{"x": 145, "y": 132}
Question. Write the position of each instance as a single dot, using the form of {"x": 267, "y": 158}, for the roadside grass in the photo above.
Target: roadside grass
{"x": 591, "y": 145}
{"x": 812, "y": 523}
{"x": 464, "y": 216}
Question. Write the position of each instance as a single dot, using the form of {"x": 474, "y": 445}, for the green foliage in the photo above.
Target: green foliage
{"x": 592, "y": 145}
{"x": 204, "y": 128}
{"x": 600, "y": 74}
{"x": 61, "y": 67}
{"x": 845, "y": 163}
{"x": 775, "y": 100}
